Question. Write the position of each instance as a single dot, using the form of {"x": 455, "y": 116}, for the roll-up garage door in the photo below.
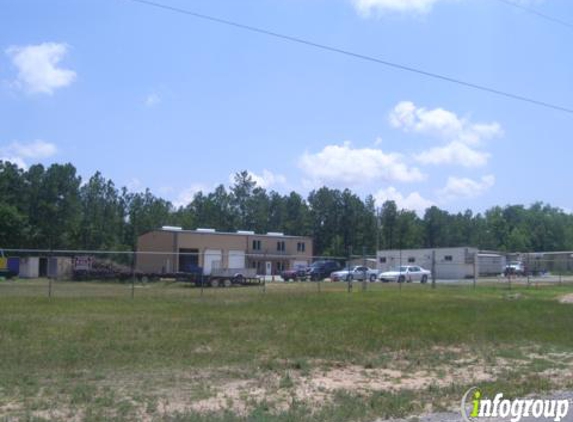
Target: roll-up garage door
{"x": 211, "y": 259}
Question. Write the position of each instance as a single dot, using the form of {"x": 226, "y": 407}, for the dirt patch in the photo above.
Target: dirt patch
{"x": 567, "y": 299}
{"x": 156, "y": 394}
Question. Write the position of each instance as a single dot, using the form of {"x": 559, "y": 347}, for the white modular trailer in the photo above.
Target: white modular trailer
{"x": 490, "y": 264}
{"x": 29, "y": 267}
{"x": 60, "y": 267}
{"x": 450, "y": 263}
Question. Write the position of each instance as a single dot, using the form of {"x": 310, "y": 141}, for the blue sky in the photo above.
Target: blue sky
{"x": 157, "y": 99}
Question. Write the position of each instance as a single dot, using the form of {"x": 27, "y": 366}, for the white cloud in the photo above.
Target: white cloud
{"x": 463, "y": 136}
{"x": 441, "y": 123}
{"x": 38, "y": 70}
{"x": 18, "y": 152}
{"x": 36, "y": 149}
{"x": 367, "y": 7}
{"x": 342, "y": 165}
{"x": 265, "y": 180}
{"x": 268, "y": 179}
{"x": 152, "y": 100}
{"x": 134, "y": 185}
{"x": 413, "y": 202}
{"x": 186, "y": 196}
{"x": 454, "y": 153}
{"x": 458, "y": 187}
{"x": 14, "y": 160}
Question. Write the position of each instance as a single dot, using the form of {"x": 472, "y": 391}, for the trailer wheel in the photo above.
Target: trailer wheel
{"x": 227, "y": 283}
{"x": 214, "y": 283}
{"x": 239, "y": 279}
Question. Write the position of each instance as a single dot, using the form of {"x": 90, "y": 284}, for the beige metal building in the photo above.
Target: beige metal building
{"x": 171, "y": 249}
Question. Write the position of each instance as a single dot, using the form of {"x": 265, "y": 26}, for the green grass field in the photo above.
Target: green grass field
{"x": 286, "y": 353}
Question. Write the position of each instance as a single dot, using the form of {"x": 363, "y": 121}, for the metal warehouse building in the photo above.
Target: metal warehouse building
{"x": 171, "y": 249}
{"x": 449, "y": 263}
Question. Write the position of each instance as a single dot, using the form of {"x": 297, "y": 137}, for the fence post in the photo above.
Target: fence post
{"x": 49, "y": 278}
{"x": 433, "y": 269}
{"x": 365, "y": 272}
{"x": 528, "y": 269}
{"x": 475, "y": 269}
{"x": 133, "y": 275}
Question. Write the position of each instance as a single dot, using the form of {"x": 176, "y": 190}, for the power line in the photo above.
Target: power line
{"x": 355, "y": 55}
{"x": 537, "y": 13}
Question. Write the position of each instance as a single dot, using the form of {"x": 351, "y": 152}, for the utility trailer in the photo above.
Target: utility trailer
{"x": 227, "y": 277}
{"x": 87, "y": 268}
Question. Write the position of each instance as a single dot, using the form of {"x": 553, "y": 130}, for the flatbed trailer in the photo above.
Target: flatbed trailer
{"x": 227, "y": 277}
{"x": 88, "y": 269}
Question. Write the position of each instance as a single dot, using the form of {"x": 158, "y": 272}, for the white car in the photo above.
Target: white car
{"x": 406, "y": 273}
{"x": 356, "y": 273}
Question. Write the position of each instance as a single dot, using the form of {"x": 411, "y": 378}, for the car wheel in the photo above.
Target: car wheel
{"x": 372, "y": 278}
{"x": 349, "y": 277}
{"x": 401, "y": 279}
{"x": 424, "y": 279}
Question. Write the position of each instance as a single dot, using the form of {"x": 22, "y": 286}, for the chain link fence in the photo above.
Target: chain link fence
{"x": 127, "y": 274}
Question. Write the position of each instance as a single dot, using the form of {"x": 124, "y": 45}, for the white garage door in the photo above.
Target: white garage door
{"x": 236, "y": 259}
{"x": 211, "y": 259}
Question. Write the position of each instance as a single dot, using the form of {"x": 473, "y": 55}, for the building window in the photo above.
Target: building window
{"x": 411, "y": 260}
{"x": 448, "y": 258}
{"x": 256, "y": 245}
{"x": 281, "y": 246}
{"x": 382, "y": 260}
{"x": 300, "y": 247}
{"x": 254, "y": 264}
{"x": 280, "y": 266}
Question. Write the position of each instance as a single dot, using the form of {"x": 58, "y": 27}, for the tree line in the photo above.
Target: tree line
{"x": 50, "y": 208}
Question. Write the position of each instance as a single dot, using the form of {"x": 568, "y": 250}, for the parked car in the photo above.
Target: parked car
{"x": 319, "y": 270}
{"x": 406, "y": 273}
{"x": 297, "y": 273}
{"x": 355, "y": 273}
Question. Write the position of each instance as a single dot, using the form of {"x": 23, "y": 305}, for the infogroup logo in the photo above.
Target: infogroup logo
{"x": 474, "y": 406}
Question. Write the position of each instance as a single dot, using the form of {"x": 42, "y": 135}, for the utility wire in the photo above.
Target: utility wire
{"x": 538, "y": 13}
{"x": 356, "y": 55}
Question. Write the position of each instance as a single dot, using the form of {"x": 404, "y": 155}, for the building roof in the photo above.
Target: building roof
{"x": 277, "y": 235}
